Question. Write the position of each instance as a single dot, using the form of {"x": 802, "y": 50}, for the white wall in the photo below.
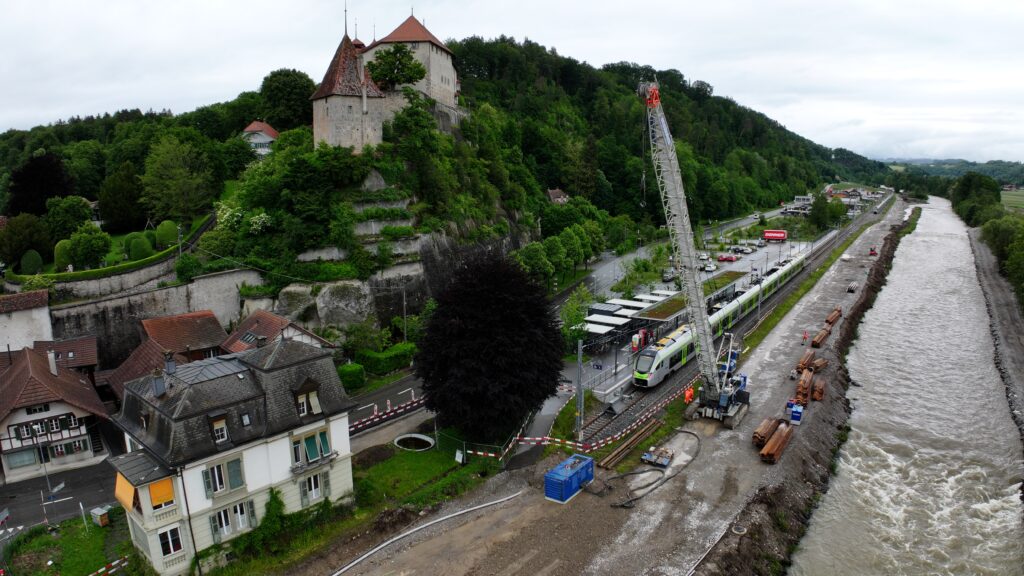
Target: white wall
{"x": 20, "y": 329}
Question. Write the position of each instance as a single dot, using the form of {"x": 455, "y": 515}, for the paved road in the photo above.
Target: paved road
{"x": 91, "y": 486}
{"x": 398, "y": 392}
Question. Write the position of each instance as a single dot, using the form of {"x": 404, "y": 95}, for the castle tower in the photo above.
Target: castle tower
{"x": 348, "y": 107}
{"x": 441, "y": 81}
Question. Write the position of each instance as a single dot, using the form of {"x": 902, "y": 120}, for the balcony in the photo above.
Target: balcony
{"x": 304, "y": 467}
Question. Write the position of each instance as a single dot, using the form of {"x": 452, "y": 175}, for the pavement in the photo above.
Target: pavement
{"x": 91, "y": 486}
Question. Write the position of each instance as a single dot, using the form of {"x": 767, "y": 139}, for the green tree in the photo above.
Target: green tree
{"x": 23, "y": 232}
{"x": 1000, "y": 234}
{"x": 31, "y": 263}
{"x": 166, "y": 234}
{"x": 584, "y": 240}
{"x": 237, "y": 154}
{"x": 88, "y": 245}
{"x": 1015, "y": 266}
{"x": 572, "y": 314}
{"x": 61, "y": 255}
{"x": 139, "y": 248}
{"x": 819, "y": 216}
{"x": 555, "y": 253}
{"x": 491, "y": 351}
{"x": 66, "y": 214}
{"x": 177, "y": 181}
{"x": 836, "y": 211}
{"x": 42, "y": 177}
{"x": 596, "y": 236}
{"x": 120, "y": 205}
{"x": 365, "y": 336}
{"x": 393, "y": 66}
{"x": 573, "y": 250}
{"x": 86, "y": 162}
{"x": 286, "y": 102}
{"x": 187, "y": 267}
{"x": 535, "y": 262}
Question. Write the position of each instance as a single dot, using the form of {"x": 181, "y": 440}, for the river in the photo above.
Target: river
{"x": 929, "y": 480}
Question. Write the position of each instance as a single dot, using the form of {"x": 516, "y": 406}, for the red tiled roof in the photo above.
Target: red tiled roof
{"x": 29, "y": 382}
{"x": 410, "y": 31}
{"x": 342, "y": 77}
{"x": 24, "y": 301}
{"x": 257, "y": 126}
{"x": 262, "y": 323}
{"x": 196, "y": 331}
{"x": 143, "y": 360}
{"x": 70, "y": 353}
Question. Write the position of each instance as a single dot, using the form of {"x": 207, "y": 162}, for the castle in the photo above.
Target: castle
{"x": 349, "y": 109}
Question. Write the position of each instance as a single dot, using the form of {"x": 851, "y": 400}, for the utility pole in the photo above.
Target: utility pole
{"x": 579, "y": 390}
{"x": 405, "y": 321}
{"x": 179, "y": 240}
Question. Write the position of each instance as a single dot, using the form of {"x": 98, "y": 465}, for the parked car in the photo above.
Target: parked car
{"x": 747, "y": 250}
{"x": 710, "y": 267}
{"x": 761, "y": 243}
{"x": 736, "y": 249}
{"x": 755, "y": 215}
{"x": 703, "y": 256}
{"x": 727, "y": 258}
{"x": 668, "y": 274}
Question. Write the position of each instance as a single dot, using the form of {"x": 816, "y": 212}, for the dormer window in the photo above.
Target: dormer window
{"x": 308, "y": 403}
{"x": 220, "y": 430}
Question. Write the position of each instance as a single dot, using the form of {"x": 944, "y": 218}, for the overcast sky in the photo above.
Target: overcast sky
{"x": 886, "y": 78}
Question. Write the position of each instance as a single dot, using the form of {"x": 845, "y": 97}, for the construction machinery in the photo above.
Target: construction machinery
{"x": 723, "y": 394}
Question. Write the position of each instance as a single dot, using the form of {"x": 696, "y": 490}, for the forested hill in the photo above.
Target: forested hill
{"x": 1000, "y": 170}
{"x": 582, "y": 129}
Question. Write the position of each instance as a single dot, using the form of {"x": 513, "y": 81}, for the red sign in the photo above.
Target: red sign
{"x": 779, "y": 235}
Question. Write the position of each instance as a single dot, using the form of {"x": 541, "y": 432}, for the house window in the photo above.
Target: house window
{"x": 210, "y": 353}
{"x": 39, "y": 428}
{"x": 308, "y": 403}
{"x": 221, "y": 477}
{"x": 22, "y": 458}
{"x": 220, "y": 431}
{"x": 170, "y": 541}
{"x": 314, "y": 446}
{"x": 78, "y": 445}
{"x": 296, "y": 451}
{"x": 223, "y": 518}
{"x": 57, "y": 450}
{"x": 313, "y": 486}
{"x": 217, "y": 478}
{"x": 71, "y": 355}
{"x": 72, "y": 421}
{"x": 37, "y": 409}
{"x": 55, "y": 425}
{"x": 241, "y": 515}
{"x": 26, "y": 431}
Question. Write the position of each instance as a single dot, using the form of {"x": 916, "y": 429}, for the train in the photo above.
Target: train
{"x": 670, "y": 353}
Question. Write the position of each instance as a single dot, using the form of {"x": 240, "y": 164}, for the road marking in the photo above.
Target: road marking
{"x": 515, "y": 566}
{"x": 55, "y": 501}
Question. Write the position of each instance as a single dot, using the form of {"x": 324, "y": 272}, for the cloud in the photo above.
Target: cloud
{"x": 909, "y": 78}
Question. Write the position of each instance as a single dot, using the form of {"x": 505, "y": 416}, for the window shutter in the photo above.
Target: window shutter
{"x": 325, "y": 482}
{"x": 252, "y": 513}
{"x": 17, "y": 432}
{"x": 325, "y": 446}
{"x": 314, "y": 402}
{"x": 311, "y": 450}
{"x": 207, "y": 483}
{"x": 63, "y": 423}
{"x": 215, "y": 529}
{"x": 235, "y": 479}
{"x": 303, "y": 495}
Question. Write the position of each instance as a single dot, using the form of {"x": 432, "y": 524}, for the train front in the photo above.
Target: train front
{"x": 642, "y": 373}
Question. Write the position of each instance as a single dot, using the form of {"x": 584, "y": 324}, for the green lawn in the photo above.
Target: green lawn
{"x": 230, "y": 189}
{"x": 74, "y": 550}
{"x": 1014, "y": 200}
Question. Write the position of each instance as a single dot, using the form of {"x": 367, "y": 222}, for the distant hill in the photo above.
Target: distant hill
{"x": 1000, "y": 170}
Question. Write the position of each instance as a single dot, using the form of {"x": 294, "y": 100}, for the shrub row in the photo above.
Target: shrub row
{"x": 352, "y": 376}
{"x": 397, "y": 232}
{"x": 394, "y": 358}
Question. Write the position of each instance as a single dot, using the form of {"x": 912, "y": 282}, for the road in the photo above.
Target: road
{"x": 91, "y": 486}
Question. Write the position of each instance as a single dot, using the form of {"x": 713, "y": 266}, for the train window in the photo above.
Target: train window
{"x": 643, "y": 364}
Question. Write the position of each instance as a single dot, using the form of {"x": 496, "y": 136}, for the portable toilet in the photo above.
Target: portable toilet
{"x": 797, "y": 416}
{"x": 564, "y": 481}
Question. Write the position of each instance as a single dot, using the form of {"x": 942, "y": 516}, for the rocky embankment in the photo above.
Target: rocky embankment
{"x": 768, "y": 529}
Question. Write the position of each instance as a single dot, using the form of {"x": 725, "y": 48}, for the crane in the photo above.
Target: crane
{"x": 723, "y": 395}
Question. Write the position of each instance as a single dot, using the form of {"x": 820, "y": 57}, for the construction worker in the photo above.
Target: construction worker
{"x": 804, "y": 341}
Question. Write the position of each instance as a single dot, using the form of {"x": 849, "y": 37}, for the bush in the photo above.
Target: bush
{"x": 352, "y": 376}
{"x": 151, "y": 236}
{"x": 88, "y": 246}
{"x": 139, "y": 248}
{"x": 396, "y": 232}
{"x": 166, "y": 234}
{"x": 126, "y": 243}
{"x": 31, "y": 262}
{"x": 394, "y": 358}
{"x": 36, "y": 282}
{"x": 187, "y": 267}
{"x": 61, "y": 256}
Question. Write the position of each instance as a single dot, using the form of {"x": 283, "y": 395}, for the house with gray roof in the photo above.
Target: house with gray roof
{"x": 208, "y": 440}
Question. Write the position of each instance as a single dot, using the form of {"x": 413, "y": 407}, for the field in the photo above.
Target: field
{"x": 1014, "y": 200}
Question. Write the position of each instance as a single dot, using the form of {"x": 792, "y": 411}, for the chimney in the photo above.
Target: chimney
{"x": 159, "y": 386}
{"x": 169, "y": 365}
{"x": 53, "y": 361}
{"x": 261, "y": 341}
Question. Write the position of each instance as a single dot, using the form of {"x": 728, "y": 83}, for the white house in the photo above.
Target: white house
{"x": 263, "y": 327}
{"x": 49, "y": 417}
{"x": 260, "y": 136}
{"x": 24, "y": 318}
{"x": 208, "y": 441}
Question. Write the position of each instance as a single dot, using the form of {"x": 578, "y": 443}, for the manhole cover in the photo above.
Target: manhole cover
{"x": 739, "y": 530}
{"x": 414, "y": 442}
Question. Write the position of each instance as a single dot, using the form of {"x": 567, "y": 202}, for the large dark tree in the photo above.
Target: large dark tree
{"x": 286, "y": 102}
{"x": 120, "y": 205}
{"x": 491, "y": 352}
{"x": 42, "y": 176}
{"x": 395, "y": 66}
{"x": 23, "y": 232}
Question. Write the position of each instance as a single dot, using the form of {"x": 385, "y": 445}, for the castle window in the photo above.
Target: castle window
{"x": 349, "y": 109}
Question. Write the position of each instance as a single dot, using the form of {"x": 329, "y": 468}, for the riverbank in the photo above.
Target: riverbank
{"x": 1007, "y": 326}
{"x": 766, "y": 532}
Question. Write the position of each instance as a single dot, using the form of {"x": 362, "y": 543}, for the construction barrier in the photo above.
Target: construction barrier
{"x": 386, "y": 415}
{"x": 112, "y": 567}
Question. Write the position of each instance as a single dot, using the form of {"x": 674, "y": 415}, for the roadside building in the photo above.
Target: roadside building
{"x": 143, "y": 360}
{"x": 195, "y": 335}
{"x": 49, "y": 418}
{"x": 558, "y": 196}
{"x": 209, "y": 440}
{"x": 78, "y": 354}
{"x": 260, "y": 137}
{"x": 24, "y": 318}
{"x": 262, "y": 327}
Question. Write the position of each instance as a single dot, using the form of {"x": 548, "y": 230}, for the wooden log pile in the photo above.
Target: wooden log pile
{"x": 819, "y": 364}
{"x": 765, "y": 431}
{"x": 803, "y": 388}
{"x": 805, "y": 360}
{"x": 821, "y": 337}
{"x": 834, "y": 316}
{"x": 772, "y": 451}
{"x": 818, "y": 389}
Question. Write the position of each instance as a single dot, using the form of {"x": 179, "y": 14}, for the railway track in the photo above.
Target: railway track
{"x": 639, "y": 400}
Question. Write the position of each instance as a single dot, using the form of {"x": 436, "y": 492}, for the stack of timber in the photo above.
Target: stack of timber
{"x": 834, "y": 316}
{"x": 765, "y": 431}
{"x": 803, "y": 388}
{"x": 818, "y": 389}
{"x": 616, "y": 456}
{"x": 805, "y": 360}
{"x": 772, "y": 451}
{"x": 819, "y": 364}
{"x": 820, "y": 339}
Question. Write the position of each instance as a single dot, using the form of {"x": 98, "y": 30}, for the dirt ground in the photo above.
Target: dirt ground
{"x": 670, "y": 530}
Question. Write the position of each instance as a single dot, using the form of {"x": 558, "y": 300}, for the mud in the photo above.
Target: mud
{"x": 766, "y": 532}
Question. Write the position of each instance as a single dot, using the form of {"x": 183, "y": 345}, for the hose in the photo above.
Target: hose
{"x": 631, "y": 501}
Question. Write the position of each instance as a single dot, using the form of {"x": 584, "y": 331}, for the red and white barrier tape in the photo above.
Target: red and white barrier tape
{"x": 370, "y": 420}
{"x": 111, "y": 567}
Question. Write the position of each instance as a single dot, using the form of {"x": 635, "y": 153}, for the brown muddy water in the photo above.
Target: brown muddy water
{"x": 929, "y": 480}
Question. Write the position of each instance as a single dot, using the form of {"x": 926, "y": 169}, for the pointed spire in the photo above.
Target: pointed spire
{"x": 346, "y": 17}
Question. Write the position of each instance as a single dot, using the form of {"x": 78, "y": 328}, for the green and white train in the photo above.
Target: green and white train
{"x": 657, "y": 361}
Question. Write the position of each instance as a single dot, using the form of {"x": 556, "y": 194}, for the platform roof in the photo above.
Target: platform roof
{"x": 599, "y": 328}
{"x": 602, "y": 319}
{"x": 629, "y": 303}
{"x": 649, "y": 297}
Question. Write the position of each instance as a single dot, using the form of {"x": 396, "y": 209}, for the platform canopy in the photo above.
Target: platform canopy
{"x": 629, "y": 303}
{"x": 599, "y": 328}
{"x": 602, "y": 319}
{"x": 665, "y": 292}
{"x": 649, "y": 297}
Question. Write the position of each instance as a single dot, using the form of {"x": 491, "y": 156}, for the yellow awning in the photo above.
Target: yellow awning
{"x": 125, "y": 492}
{"x": 161, "y": 492}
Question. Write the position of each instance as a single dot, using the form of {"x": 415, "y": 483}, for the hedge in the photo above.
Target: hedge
{"x": 31, "y": 262}
{"x": 397, "y": 232}
{"x": 352, "y": 376}
{"x": 139, "y": 248}
{"x": 104, "y": 272}
{"x": 395, "y": 358}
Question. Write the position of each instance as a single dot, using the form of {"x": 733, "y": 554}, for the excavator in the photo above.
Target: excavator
{"x": 723, "y": 393}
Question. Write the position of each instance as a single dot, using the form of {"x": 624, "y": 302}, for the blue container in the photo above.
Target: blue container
{"x": 797, "y": 416}
{"x": 564, "y": 481}
{"x": 789, "y": 407}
